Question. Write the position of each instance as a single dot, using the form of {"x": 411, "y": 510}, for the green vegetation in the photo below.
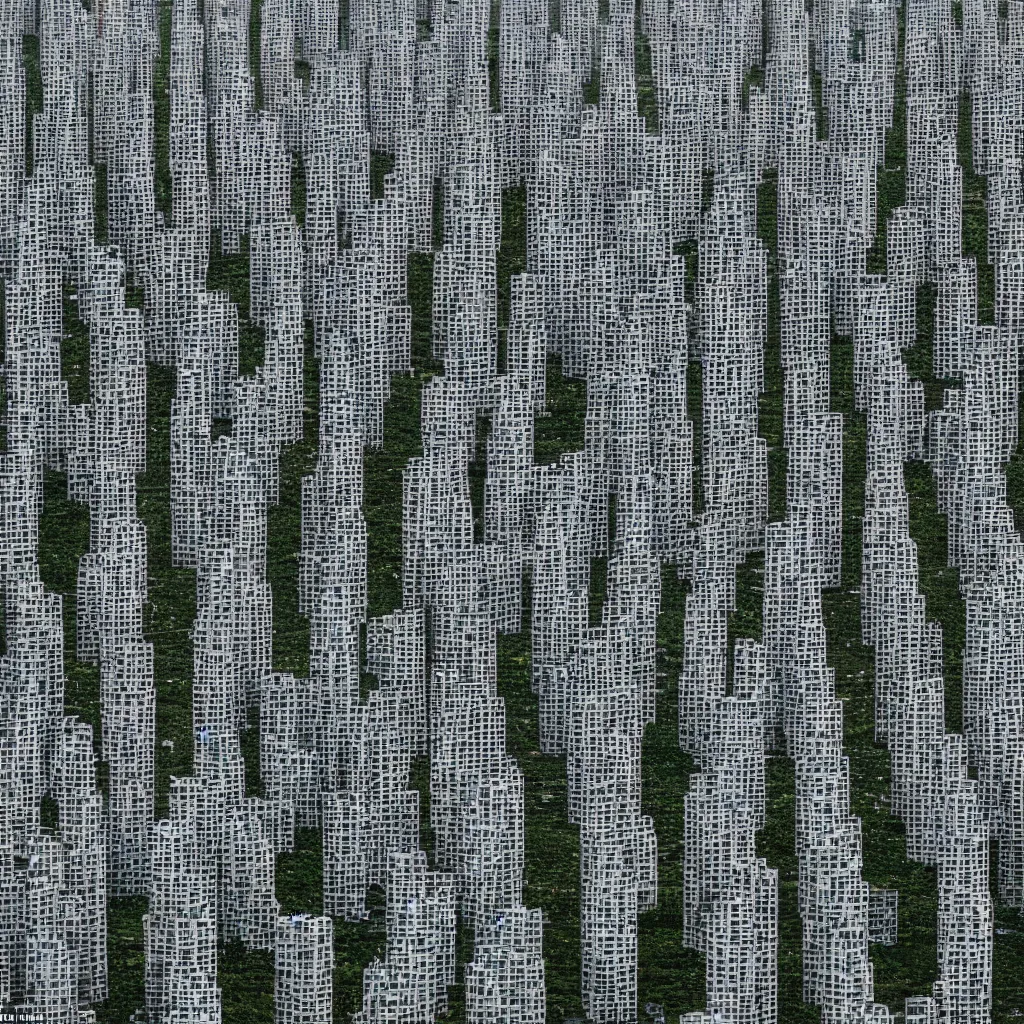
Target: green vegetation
{"x": 162, "y": 116}
{"x": 975, "y": 218}
{"x": 33, "y": 92}
{"x": 646, "y": 99}
{"x": 892, "y": 177}
{"x": 493, "y": 62}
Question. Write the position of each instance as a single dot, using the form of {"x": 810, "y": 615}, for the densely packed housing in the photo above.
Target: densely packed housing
{"x": 144, "y": 140}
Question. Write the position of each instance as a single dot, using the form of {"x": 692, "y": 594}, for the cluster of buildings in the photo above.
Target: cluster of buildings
{"x": 644, "y": 265}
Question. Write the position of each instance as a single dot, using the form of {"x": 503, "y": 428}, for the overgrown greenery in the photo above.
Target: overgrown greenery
{"x": 669, "y": 975}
